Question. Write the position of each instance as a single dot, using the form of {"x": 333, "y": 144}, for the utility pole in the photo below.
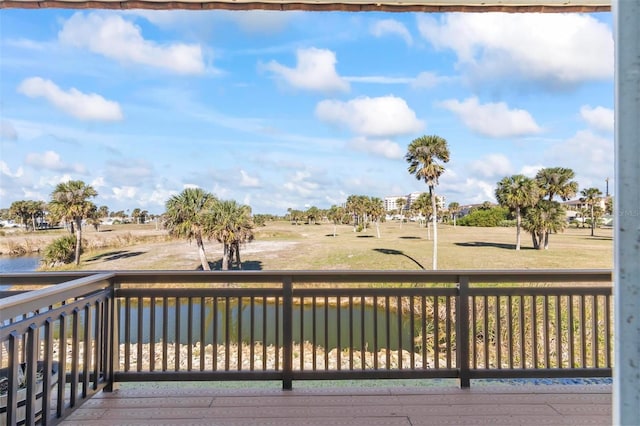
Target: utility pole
{"x": 607, "y": 192}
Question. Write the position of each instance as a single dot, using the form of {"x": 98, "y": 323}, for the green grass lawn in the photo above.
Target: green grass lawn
{"x": 406, "y": 247}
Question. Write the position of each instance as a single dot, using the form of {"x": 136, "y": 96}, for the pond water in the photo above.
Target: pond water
{"x": 369, "y": 328}
{"x": 19, "y": 264}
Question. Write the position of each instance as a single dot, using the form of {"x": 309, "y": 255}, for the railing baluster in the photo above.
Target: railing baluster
{"x": 534, "y": 332}
{"x": 252, "y": 335}
{"x": 510, "y": 330}
{"x": 363, "y": 348}
{"x": 338, "y": 335}
{"x": 326, "y": 332}
{"x": 152, "y": 334}
{"x": 545, "y": 330}
{"x": 190, "y": 334}
{"x": 485, "y": 334}
{"x": 86, "y": 351}
{"x": 583, "y": 337}
{"x": 375, "y": 332}
{"x": 423, "y": 331}
{"x": 178, "y": 338}
{"x": 203, "y": 335}
{"x": 239, "y": 338}
{"x": 412, "y": 332}
{"x": 594, "y": 333}
{"x": 399, "y": 317}
{"x": 522, "y": 331}
{"x": 314, "y": 335}
{"x": 165, "y": 332}
{"x": 607, "y": 328}
{"x": 127, "y": 334}
{"x": 351, "y": 327}
{"x": 301, "y": 339}
{"x": 139, "y": 332}
{"x": 75, "y": 356}
{"x": 558, "y": 332}
{"x": 227, "y": 333}
{"x": 474, "y": 334}
{"x": 570, "y": 339}
{"x": 498, "y": 336}
{"x": 448, "y": 331}
{"x": 387, "y": 329}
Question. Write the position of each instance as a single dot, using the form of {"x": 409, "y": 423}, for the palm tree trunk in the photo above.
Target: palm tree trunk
{"x": 378, "y": 228}
{"x": 434, "y": 220}
{"x": 78, "y": 240}
{"x": 593, "y": 223}
{"x": 518, "y": 224}
{"x": 237, "y": 250}
{"x": 225, "y": 256}
{"x": 203, "y": 257}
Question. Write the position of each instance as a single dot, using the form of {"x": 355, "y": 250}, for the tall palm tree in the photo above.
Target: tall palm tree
{"x": 187, "y": 217}
{"x": 454, "y": 210}
{"x": 546, "y": 216}
{"x": 557, "y": 181}
{"x": 231, "y": 224}
{"x": 375, "y": 211}
{"x": 70, "y": 201}
{"x": 425, "y": 155}
{"x": 591, "y": 196}
{"x": 517, "y": 192}
{"x": 336, "y": 215}
{"x": 400, "y": 203}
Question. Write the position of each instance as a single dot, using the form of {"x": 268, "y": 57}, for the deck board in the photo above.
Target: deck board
{"x": 437, "y": 405}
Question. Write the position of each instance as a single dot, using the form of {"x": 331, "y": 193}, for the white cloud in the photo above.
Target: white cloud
{"x": 80, "y": 105}
{"x": 391, "y": 27}
{"x": 598, "y": 118}
{"x": 491, "y": 165}
{"x": 379, "y": 117}
{"x": 124, "y": 193}
{"x": 469, "y": 190}
{"x": 50, "y": 160}
{"x": 247, "y": 181}
{"x": 315, "y": 70}
{"x": 6, "y": 170}
{"x": 384, "y": 147}
{"x": 116, "y": 38}
{"x": 531, "y": 170}
{"x": 427, "y": 80}
{"x": 260, "y": 21}
{"x": 7, "y": 131}
{"x": 551, "y": 48}
{"x": 301, "y": 185}
{"x": 492, "y": 119}
{"x": 590, "y": 155}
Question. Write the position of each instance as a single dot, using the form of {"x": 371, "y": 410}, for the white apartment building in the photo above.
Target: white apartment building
{"x": 390, "y": 202}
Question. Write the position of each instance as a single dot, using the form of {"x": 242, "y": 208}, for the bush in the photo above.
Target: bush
{"x": 486, "y": 218}
{"x": 60, "y": 251}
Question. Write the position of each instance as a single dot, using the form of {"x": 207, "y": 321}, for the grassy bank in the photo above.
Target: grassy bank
{"x": 282, "y": 246}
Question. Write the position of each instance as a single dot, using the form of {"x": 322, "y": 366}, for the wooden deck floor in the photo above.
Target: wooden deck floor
{"x": 440, "y": 405}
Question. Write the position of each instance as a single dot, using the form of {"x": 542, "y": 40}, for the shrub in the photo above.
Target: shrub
{"x": 486, "y": 218}
{"x": 60, "y": 251}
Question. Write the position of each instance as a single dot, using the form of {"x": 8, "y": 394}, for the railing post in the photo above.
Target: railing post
{"x": 287, "y": 332}
{"x": 112, "y": 339}
{"x": 462, "y": 332}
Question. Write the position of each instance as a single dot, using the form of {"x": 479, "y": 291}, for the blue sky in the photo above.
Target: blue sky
{"x": 292, "y": 109}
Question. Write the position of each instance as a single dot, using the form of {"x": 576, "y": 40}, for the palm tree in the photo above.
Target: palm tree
{"x": 546, "y": 216}
{"x": 425, "y": 155}
{"x": 336, "y": 215}
{"x": 557, "y": 181}
{"x": 591, "y": 196}
{"x": 230, "y": 224}
{"x": 517, "y": 192}
{"x": 400, "y": 203}
{"x": 454, "y": 209}
{"x": 375, "y": 210}
{"x": 70, "y": 201}
{"x": 187, "y": 217}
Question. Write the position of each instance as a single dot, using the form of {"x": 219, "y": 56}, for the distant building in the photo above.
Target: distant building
{"x": 390, "y": 202}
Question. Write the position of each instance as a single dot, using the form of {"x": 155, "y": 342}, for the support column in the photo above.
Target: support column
{"x": 626, "y": 388}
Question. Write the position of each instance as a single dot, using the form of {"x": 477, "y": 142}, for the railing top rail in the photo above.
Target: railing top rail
{"x": 13, "y": 306}
{"x": 328, "y": 276}
{"x": 353, "y": 276}
{"x": 43, "y": 278}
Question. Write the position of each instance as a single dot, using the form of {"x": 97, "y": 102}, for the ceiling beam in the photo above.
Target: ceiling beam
{"x": 511, "y": 6}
